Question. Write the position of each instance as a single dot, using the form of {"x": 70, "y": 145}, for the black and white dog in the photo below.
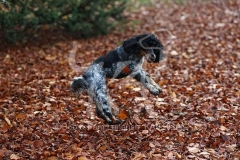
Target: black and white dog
{"x": 125, "y": 60}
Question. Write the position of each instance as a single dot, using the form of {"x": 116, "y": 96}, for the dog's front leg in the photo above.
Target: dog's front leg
{"x": 145, "y": 79}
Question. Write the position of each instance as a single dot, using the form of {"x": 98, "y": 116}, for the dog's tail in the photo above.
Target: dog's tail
{"x": 79, "y": 84}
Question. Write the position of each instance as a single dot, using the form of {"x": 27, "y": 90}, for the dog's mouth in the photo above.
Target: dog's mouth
{"x": 150, "y": 56}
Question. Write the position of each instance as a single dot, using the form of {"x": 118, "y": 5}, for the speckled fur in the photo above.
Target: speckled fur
{"x": 129, "y": 55}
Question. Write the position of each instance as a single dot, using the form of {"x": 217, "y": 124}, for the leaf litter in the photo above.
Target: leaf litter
{"x": 196, "y": 117}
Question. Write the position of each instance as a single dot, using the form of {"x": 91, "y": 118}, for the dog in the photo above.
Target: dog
{"x": 125, "y": 60}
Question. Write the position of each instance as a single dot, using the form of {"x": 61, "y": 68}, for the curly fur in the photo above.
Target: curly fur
{"x": 129, "y": 55}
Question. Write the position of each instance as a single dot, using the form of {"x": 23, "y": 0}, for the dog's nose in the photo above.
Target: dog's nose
{"x": 153, "y": 56}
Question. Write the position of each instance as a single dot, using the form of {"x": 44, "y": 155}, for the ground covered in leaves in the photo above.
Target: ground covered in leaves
{"x": 196, "y": 117}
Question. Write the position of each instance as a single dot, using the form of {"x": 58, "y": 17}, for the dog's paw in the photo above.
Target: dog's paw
{"x": 107, "y": 116}
{"x": 155, "y": 91}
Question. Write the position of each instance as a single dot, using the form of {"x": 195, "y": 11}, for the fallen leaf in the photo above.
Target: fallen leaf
{"x": 145, "y": 132}
{"x": 193, "y": 149}
{"x": 151, "y": 145}
{"x": 1, "y": 153}
{"x": 173, "y": 95}
{"x": 14, "y": 156}
{"x": 82, "y": 158}
{"x": 68, "y": 156}
{"x": 212, "y": 151}
{"x": 204, "y": 153}
{"x": 38, "y": 143}
{"x": 20, "y": 117}
{"x": 178, "y": 156}
{"x": 223, "y": 128}
{"x": 157, "y": 155}
{"x": 230, "y": 148}
{"x": 136, "y": 89}
{"x": 138, "y": 99}
{"x": 174, "y": 53}
{"x": 52, "y": 158}
{"x": 138, "y": 156}
{"x": 128, "y": 86}
{"x": 50, "y": 58}
{"x": 123, "y": 114}
{"x": 103, "y": 148}
{"x": 7, "y": 120}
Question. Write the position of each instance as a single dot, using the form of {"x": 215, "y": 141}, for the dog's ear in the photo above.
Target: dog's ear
{"x": 158, "y": 48}
{"x": 144, "y": 42}
{"x": 150, "y": 41}
{"x": 159, "y": 55}
{"x": 132, "y": 45}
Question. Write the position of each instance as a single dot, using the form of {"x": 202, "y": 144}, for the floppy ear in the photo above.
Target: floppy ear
{"x": 144, "y": 41}
{"x": 132, "y": 45}
{"x": 159, "y": 55}
{"x": 157, "y": 48}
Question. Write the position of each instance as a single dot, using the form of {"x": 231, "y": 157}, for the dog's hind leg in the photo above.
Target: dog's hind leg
{"x": 98, "y": 92}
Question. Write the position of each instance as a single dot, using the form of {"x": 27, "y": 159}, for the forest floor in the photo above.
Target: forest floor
{"x": 196, "y": 117}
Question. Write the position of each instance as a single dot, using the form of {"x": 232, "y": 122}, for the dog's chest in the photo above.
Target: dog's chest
{"x": 123, "y": 68}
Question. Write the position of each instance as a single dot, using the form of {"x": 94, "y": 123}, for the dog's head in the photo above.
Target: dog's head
{"x": 146, "y": 45}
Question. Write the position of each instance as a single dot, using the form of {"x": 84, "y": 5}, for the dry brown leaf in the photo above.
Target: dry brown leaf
{"x": 173, "y": 95}
{"x": 223, "y": 128}
{"x": 230, "y": 148}
{"x": 138, "y": 99}
{"x": 82, "y": 158}
{"x": 14, "y": 157}
{"x": 7, "y": 120}
{"x": 52, "y": 158}
{"x": 204, "y": 153}
{"x": 212, "y": 151}
{"x": 157, "y": 155}
{"x": 138, "y": 156}
{"x": 180, "y": 139}
{"x": 178, "y": 156}
{"x": 50, "y": 58}
{"x": 20, "y": 117}
{"x": 193, "y": 149}
{"x": 123, "y": 114}
{"x": 151, "y": 145}
{"x": 137, "y": 120}
{"x": 145, "y": 132}
{"x": 38, "y": 143}
{"x": 128, "y": 86}
{"x": 68, "y": 156}
{"x": 103, "y": 148}
{"x": 1, "y": 153}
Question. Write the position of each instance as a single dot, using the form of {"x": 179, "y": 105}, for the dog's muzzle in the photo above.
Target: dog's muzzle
{"x": 150, "y": 56}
